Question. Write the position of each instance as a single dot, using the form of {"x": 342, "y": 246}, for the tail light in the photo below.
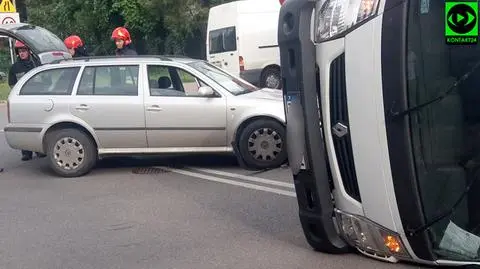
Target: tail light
{"x": 8, "y": 111}
{"x": 242, "y": 63}
{"x": 281, "y": 1}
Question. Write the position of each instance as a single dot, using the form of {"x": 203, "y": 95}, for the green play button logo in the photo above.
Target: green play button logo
{"x": 461, "y": 22}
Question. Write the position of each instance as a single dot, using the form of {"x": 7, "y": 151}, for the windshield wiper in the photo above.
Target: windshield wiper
{"x": 395, "y": 115}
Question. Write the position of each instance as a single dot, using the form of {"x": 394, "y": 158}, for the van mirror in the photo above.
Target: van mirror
{"x": 206, "y": 91}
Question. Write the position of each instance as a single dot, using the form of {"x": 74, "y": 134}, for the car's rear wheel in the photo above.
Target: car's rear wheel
{"x": 71, "y": 152}
{"x": 262, "y": 144}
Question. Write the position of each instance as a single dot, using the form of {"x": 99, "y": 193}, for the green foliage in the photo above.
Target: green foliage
{"x": 5, "y": 61}
{"x": 4, "y": 91}
{"x": 156, "y": 26}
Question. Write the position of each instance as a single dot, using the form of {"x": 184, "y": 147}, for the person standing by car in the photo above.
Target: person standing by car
{"x": 23, "y": 64}
{"x": 75, "y": 46}
{"x": 123, "y": 41}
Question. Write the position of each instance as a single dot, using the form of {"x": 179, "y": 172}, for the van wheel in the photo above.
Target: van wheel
{"x": 262, "y": 144}
{"x": 271, "y": 78}
{"x": 71, "y": 152}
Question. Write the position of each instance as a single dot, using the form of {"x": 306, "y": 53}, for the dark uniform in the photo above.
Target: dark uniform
{"x": 18, "y": 69}
{"x": 126, "y": 50}
{"x": 81, "y": 52}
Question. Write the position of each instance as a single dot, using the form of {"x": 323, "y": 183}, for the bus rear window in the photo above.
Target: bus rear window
{"x": 223, "y": 40}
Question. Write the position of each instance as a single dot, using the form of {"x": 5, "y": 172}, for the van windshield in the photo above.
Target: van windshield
{"x": 232, "y": 84}
{"x": 222, "y": 40}
{"x": 39, "y": 39}
{"x": 445, "y": 134}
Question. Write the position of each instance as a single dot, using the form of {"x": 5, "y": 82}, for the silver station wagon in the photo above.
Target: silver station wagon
{"x": 79, "y": 110}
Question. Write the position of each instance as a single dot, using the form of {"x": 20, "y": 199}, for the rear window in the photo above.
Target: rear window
{"x": 41, "y": 39}
{"x": 57, "y": 81}
{"x": 223, "y": 40}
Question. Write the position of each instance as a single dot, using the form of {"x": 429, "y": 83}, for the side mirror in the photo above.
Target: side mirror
{"x": 206, "y": 91}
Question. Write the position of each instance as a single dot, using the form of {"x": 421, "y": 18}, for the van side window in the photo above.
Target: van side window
{"x": 109, "y": 80}
{"x": 57, "y": 81}
{"x": 223, "y": 40}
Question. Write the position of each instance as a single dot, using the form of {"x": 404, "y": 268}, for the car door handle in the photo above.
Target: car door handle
{"x": 154, "y": 108}
{"x": 82, "y": 107}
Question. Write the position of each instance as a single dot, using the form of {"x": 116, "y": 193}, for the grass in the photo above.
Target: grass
{"x": 4, "y": 91}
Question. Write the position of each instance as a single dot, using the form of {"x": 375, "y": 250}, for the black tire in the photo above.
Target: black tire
{"x": 264, "y": 162}
{"x": 274, "y": 72}
{"x": 87, "y": 149}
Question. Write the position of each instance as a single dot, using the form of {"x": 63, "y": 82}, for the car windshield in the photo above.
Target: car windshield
{"x": 445, "y": 133}
{"x": 40, "y": 39}
{"x": 234, "y": 85}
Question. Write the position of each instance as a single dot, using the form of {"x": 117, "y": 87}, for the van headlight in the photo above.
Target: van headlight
{"x": 369, "y": 237}
{"x": 334, "y": 17}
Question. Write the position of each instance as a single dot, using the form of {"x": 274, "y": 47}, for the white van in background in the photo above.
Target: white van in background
{"x": 242, "y": 39}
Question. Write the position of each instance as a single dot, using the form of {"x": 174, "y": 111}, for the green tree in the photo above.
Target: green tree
{"x": 156, "y": 26}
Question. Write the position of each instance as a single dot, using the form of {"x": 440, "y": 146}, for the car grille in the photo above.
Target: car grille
{"x": 340, "y": 128}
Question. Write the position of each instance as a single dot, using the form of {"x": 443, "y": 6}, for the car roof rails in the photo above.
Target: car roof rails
{"x": 88, "y": 58}
{"x": 177, "y": 56}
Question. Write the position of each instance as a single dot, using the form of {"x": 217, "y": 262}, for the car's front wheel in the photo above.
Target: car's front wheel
{"x": 71, "y": 152}
{"x": 262, "y": 144}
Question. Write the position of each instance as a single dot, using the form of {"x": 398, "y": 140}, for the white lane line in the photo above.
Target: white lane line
{"x": 248, "y": 178}
{"x": 231, "y": 182}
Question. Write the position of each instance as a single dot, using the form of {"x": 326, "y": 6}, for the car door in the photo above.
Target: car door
{"x": 45, "y": 46}
{"x": 177, "y": 116}
{"x": 109, "y": 100}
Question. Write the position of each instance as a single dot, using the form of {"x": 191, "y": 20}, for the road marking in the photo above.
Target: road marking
{"x": 231, "y": 182}
{"x": 248, "y": 178}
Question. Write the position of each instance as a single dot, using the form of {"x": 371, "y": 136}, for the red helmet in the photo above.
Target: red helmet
{"x": 19, "y": 44}
{"x": 73, "y": 42}
{"x": 123, "y": 34}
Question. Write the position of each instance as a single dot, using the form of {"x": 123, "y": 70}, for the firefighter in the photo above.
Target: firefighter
{"x": 23, "y": 64}
{"x": 123, "y": 41}
{"x": 75, "y": 46}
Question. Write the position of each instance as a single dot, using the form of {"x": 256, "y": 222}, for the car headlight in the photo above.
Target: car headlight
{"x": 369, "y": 237}
{"x": 333, "y": 17}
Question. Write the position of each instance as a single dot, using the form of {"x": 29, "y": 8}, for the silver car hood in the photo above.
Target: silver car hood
{"x": 265, "y": 93}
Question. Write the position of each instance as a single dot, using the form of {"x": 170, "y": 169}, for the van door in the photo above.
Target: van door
{"x": 223, "y": 49}
{"x": 45, "y": 46}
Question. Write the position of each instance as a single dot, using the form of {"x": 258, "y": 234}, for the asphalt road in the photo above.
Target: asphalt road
{"x": 207, "y": 213}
